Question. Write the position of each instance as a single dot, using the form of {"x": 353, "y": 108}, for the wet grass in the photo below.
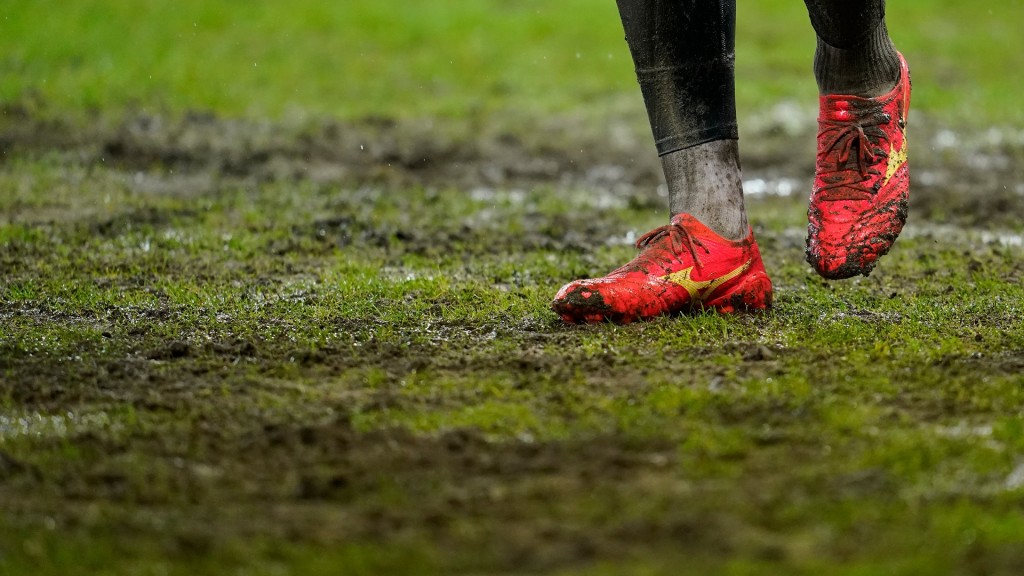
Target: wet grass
{"x": 323, "y": 346}
{"x": 369, "y": 381}
{"x": 470, "y": 58}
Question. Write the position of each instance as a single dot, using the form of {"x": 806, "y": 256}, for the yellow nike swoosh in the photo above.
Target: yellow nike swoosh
{"x": 700, "y": 289}
{"x": 897, "y": 158}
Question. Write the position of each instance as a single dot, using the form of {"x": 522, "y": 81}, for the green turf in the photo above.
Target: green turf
{"x": 472, "y": 57}
{"x": 247, "y": 348}
{"x": 154, "y": 344}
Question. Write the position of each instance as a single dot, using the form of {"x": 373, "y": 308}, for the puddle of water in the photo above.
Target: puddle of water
{"x": 628, "y": 239}
{"x": 38, "y": 425}
{"x": 1015, "y": 481}
{"x": 930, "y": 177}
{"x": 995, "y": 136}
{"x": 970, "y": 235}
{"x": 597, "y": 197}
{"x": 789, "y": 117}
{"x": 963, "y": 430}
{"x": 945, "y": 139}
{"x": 761, "y": 187}
{"x": 1004, "y": 238}
{"x": 513, "y": 197}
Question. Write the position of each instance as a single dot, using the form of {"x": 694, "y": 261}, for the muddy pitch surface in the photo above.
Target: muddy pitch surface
{"x": 969, "y": 177}
{"x": 227, "y": 339}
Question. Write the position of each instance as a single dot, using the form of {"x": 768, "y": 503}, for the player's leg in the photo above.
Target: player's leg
{"x": 684, "y": 53}
{"x": 706, "y": 257}
{"x": 859, "y": 201}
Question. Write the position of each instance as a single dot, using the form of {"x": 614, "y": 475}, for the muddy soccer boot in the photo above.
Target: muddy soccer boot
{"x": 862, "y": 183}
{"x": 682, "y": 266}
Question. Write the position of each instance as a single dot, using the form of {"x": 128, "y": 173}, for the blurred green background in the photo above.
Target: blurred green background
{"x": 359, "y": 58}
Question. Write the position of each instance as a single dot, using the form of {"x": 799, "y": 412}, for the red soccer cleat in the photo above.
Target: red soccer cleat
{"x": 862, "y": 183}
{"x": 682, "y": 266}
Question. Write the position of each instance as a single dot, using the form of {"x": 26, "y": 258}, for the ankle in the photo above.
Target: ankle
{"x": 705, "y": 182}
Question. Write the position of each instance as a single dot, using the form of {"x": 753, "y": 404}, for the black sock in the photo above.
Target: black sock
{"x": 684, "y": 52}
{"x": 854, "y": 54}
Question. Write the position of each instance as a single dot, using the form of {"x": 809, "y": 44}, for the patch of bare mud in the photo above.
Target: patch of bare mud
{"x": 329, "y": 484}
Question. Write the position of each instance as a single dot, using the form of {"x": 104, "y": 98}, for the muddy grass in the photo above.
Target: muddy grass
{"x": 325, "y": 347}
{"x": 970, "y": 176}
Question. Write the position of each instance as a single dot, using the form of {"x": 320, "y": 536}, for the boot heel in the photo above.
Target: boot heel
{"x": 753, "y": 293}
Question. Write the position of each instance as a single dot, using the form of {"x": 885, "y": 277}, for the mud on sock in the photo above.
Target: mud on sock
{"x": 705, "y": 181}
